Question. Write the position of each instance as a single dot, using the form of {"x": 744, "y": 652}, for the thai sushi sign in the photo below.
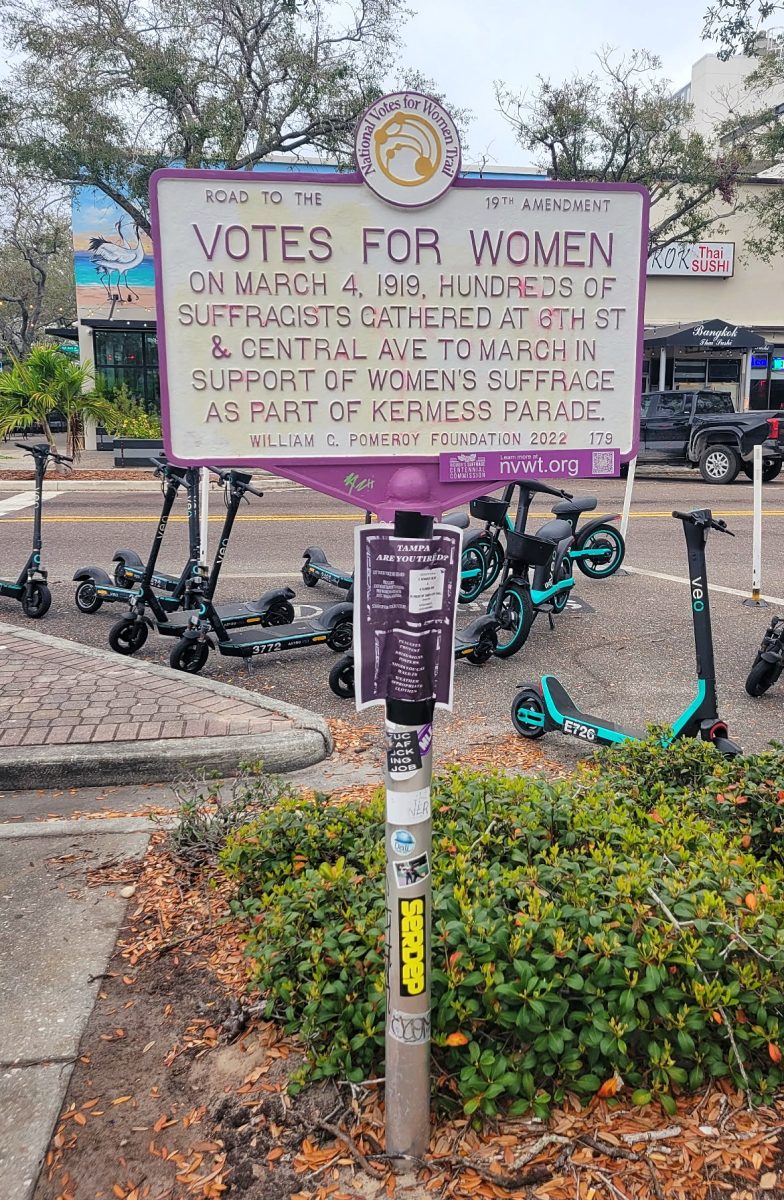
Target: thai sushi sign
{"x": 400, "y": 314}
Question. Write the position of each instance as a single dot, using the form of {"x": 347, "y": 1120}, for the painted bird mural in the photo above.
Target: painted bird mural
{"x": 110, "y": 259}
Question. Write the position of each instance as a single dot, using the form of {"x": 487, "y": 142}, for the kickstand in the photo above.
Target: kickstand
{"x": 550, "y": 619}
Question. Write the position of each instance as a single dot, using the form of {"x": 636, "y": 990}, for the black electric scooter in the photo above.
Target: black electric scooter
{"x": 769, "y": 660}
{"x": 272, "y": 608}
{"x": 317, "y": 566}
{"x": 30, "y": 588}
{"x": 475, "y": 644}
{"x": 130, "y": 567}
{"x": 94, "y": 585}
{"x": 547, "y": 707}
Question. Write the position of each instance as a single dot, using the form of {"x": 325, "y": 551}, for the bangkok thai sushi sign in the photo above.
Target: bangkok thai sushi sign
{"x": 484, "y": 329}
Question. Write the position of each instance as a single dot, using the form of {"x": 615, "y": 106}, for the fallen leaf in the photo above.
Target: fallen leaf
{"x": 774, "y": 1052}
{"x": 768, "y": 1181}
{"x": 275, "y": 1154}
{"x": 122, "y": 1099}
{"x": 456, "y": 1039}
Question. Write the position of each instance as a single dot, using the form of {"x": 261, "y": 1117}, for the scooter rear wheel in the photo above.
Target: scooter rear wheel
{"x": 189, "y": 655}
{"x": 280, "y": 613}
{"x": 341, "y": 636}
{"x": 483, "y": 651}
{"x": 307, "y": 578}
{"x": 128, "y": 635}
{"x": 341, "y": 678}
{"x": 86, "y": 598}
{"x": 37, "y": 602}
{"x": 121, "y": 578}
{"x": 609, "y": 540}
{"x": 761, "y": 677}
{"x": 528, "y": 701}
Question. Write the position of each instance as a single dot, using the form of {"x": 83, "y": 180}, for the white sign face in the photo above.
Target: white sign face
{"x": 304, "y": 318}
{"x": 700, "y": 260}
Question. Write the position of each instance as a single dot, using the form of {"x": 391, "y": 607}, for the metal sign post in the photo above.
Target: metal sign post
{"x": 756, "y": 600}
{"x": 627, "y": 497}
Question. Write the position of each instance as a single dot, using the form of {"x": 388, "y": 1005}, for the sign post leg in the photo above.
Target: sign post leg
{"x": 627, "y": 498}
{"x": 407, "y": 775}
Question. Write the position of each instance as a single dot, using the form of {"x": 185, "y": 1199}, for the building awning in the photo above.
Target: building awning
{"x": 704, "y": 335}
{"x": 67, "y": 332}
{"x": 118, "y": 324}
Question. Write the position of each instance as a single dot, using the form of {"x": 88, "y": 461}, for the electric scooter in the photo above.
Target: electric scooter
{"x": 476, "y": 644}
{"x": 316, "y": 565}
{"x": 598, "y": 548}
{"x": 518, "y": 599}
{"x": 272, "y": 608}
{"x": 548, "y": 707}
{"x": 94, "y": 585}
{"x": 31, "y": 589}
{"x": 130, "y": 567}
{"x": 769, "y": 660}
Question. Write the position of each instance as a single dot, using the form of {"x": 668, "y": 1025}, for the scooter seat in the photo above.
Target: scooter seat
{"x": 555, "y": 531}
{"x": 579, "y": 504}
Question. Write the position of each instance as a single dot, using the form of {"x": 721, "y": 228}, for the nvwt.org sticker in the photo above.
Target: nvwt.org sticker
{"x": 403, "y": 842}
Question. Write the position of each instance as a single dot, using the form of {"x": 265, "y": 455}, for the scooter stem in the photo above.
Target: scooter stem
{"x": 696, "y": 537}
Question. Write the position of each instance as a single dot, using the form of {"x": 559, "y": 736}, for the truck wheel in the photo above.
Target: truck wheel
{"x": 771, "y": 467}
{"x": 719, "y": 464}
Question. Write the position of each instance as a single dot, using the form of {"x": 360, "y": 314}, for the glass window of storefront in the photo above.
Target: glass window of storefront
{"x": 130, "y": 357}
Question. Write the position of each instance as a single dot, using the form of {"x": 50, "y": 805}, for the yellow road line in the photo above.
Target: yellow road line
{"x": 217, "y": 519}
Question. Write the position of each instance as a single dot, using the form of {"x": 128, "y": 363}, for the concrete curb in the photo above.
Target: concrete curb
{"x": 83, "y": 827}
{"x": 158, "y": 760}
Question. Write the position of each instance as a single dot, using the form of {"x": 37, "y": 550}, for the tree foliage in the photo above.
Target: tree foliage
{"x": 623, "y": 124}
{"x": 735, "y": 24}
{"x": 36, "y": 266}
{"x": 46, "y": 382}
{"x": 106, "y": 91}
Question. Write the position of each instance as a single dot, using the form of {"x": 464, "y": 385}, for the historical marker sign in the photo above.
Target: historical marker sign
{"x": 339, "y": 327}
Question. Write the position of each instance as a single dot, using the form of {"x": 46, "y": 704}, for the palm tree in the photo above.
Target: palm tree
{"x": 45, "y": 382}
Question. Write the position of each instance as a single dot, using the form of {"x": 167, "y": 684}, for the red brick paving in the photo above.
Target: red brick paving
{"x": 58, "y": 697}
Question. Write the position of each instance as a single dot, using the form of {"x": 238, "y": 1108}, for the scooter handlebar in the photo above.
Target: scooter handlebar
{"x": 704, "y": 518}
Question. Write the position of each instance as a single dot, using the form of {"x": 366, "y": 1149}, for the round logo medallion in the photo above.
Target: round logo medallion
{"x": 407, "y": 149}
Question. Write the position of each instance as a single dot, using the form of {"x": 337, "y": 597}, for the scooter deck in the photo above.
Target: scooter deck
{"x": 246, "y": 612}
{"x": 563, "y": 705}
{"x": 246, "y": 643}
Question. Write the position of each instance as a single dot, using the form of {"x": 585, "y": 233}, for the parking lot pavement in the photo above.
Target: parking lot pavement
{"x": 629, "y": 656}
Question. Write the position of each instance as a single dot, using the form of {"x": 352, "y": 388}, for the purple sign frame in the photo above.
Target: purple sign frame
{"x": 388, "y": 483}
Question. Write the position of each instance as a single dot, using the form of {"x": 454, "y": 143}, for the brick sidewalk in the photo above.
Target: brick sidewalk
{"x": 55, "y": 698}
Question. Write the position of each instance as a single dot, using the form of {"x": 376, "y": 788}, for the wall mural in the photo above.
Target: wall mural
{"x": 114, "y": 264}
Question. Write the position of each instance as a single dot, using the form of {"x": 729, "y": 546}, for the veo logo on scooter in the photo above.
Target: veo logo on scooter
{"x": 579, "y": 730}
{"x": 697, "y": 595}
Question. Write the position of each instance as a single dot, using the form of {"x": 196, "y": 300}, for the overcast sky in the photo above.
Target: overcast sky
{"x": 466, "y": 44}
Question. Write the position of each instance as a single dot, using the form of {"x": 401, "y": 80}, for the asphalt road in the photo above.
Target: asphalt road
{"x": 628, "y": 656}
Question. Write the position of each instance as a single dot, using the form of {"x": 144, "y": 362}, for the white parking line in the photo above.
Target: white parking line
{"x": 712, "y": 587}
{"x": 19, "y": 501}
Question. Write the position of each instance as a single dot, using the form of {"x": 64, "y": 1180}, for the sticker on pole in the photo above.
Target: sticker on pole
{"x": 343, "y": 329}
{"x": 404, "y": 616}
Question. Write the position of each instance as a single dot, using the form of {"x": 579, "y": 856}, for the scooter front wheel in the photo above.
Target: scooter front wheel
{"x": 559, "y": 600}
{"x": 189, "y": 655}
{"x": 472, "y": 574}
{"x": 610, "y": 542}
{"x": 761, "y": 677}
{"x": 37, "y": 601}
{"x": 515, "y": 615}
{"x": 528, "y": 714}
{"x": 341, "y": 678}
{"x": 128, "y": 635}
{"x": 86, "y": 597}
{"x": 280, "y": 613}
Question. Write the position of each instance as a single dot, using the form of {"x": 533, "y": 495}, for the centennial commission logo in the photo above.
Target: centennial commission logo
{"x": 407, "y": 149}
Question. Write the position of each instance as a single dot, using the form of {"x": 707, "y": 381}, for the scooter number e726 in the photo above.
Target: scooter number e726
{"x": 579, "y": 730}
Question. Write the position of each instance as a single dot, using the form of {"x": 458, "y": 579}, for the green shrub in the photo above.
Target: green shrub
{"x": 613, "y": 923}
{"x": 129, "y": 418}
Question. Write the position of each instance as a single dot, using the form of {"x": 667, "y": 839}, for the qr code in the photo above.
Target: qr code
{"x": 602, "y": 462}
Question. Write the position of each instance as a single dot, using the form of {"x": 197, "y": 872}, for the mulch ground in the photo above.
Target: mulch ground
{"x": 181, "y": 1092}
{"x": 76, "y": 473}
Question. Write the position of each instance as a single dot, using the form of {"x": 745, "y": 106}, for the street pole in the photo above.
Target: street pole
{"x": 627, "y": 498}
{"x": 409, "y": 836}
{"x": 204, "y": 515}
{"x": 756, "y": 600}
